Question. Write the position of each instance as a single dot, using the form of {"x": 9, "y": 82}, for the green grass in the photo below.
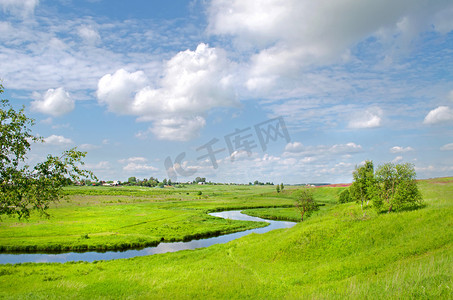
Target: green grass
{"x": 339, "y": 253}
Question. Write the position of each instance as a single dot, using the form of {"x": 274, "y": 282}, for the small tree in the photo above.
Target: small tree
{"x": 305, "y": 202}
{"x": 22, "y": 188}
{"x": 132, "y": 180}
{"x": 278, "y": 188}
{"x": 362, "y": 188}
{"x": 282, "y": 187}
{"x": 396, "y": 187}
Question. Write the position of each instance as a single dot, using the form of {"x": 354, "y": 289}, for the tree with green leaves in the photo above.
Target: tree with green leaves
{"x": 282, "y": 187}
{"x": 396, "y": 187}
{"x": 363, "y": 185}
{"x": 305, "y": 202}
{"x": 278, "y": 188}
{"x": 24, "y": 188}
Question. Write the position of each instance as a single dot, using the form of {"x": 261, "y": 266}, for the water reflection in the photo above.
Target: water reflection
{"x": 161, "y": 248}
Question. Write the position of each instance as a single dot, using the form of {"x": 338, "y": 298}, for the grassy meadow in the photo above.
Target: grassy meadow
{"x": 339, "y": 252}
{"x": 116, "y": 218}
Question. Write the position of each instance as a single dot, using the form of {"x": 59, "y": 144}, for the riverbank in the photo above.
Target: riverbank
{"x": 163, "y": 247}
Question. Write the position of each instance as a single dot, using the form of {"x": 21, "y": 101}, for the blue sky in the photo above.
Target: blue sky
{"x": 138, "y": 83}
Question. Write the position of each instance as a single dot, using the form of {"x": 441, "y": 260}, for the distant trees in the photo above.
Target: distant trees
{"x": 256, "y": 182}
{"x": 305, "y": 202}
{"x": 392, "y": 187}
{"x": 278, "y": 188}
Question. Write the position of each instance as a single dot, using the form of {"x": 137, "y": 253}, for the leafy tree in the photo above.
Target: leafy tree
{"x": 305, "y": 202}
{"x": 24, "y": 188}
{"x": 164, "y": 181}
{"x": 363, "y": 185}
{"x": 278, "y": 188}
{"x": 132, "y": 180}
{"x": 282, "y": 187}
{"x": 396, "y": 187}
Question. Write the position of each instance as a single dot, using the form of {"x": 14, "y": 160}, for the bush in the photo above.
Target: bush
{"x": 344, "y": 196}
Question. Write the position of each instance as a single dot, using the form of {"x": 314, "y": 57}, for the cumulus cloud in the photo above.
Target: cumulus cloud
{"x": 398, "y": 149}
{"x": 58, "y": 140}
{"x": 442, "y": 114}
{"x": 447, "y": 147}
{"x": 294, "y": 34}
{"x": 56, "y": 102}
{"x": 22, "y": 8}
{"x": 117, "y": 90}
{"x": 193, "y": 83}
{"x": 370, "y": 118}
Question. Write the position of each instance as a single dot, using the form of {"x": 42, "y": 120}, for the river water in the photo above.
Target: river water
{"x": 161, "y": 248}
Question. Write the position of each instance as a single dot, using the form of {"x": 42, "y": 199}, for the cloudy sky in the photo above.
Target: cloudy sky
{"x": 235, "y": 91}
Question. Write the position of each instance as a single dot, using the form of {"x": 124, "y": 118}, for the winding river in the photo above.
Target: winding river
{"x": 161, "y": 248}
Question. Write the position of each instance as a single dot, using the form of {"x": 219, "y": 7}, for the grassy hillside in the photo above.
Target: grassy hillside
{"x": 341, "y": 252}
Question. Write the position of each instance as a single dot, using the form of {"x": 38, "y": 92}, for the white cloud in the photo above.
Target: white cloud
{"x": 89, "y": 35}
{"x": 57, "y": 140}
{"x": 117, "y": 90}
{"x": 136, "y": 164}
{"x": 178, "y": 129}
{"x": 398, "y": 149}
{"x": 100, "y": 166}
{"x": 368, "y": 119}
{"x": 138, "y": 168}
{"x": 193, "y": 83}
{"x": 397, "y": 159}
{"x": 298, "y": 149}
{"x": 442, "y": 114}
{"x": 294, "y": 147}
{"x": 136, "y": 159}
{"x": 85, "y": 147}
{"x": 447, "y": 147}
{"x": 296, "y": 34}
{"x": 55, "y": 103}
{"x": 21, "y": 8}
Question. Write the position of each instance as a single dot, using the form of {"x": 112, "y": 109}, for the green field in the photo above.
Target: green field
{"x": 340, "y": 252}
{"x": 117, "y": 218}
